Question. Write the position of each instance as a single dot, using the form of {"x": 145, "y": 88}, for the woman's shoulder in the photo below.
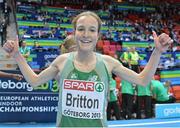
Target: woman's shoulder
{"x": 110, "y": 61}
{"x": 61, "y": 58}
{"x": 64, "y": 55}
{"x": 107, "y": 58}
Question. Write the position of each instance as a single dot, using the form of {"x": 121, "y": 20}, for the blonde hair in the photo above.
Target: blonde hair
{"x": 68, "y": 42}
{"x": 87, "y": 13}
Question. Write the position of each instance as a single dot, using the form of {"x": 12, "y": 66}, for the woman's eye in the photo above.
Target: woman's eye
{"x": 92, "y": 30}
{"x": 80, "y": 29}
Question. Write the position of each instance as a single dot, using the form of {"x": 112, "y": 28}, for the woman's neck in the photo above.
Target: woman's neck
{"x": 85, "y": 57}
{"x": 85, "y": 62}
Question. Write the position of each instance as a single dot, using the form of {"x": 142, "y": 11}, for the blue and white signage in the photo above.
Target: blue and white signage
{"x": 167, "y": 110}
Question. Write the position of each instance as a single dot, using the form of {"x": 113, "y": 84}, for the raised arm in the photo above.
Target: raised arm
{"x": 162, "y": 43}
{"x": 31, "y": 77}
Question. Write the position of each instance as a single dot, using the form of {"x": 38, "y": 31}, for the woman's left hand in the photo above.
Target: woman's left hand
{"x": 162, "y": 42}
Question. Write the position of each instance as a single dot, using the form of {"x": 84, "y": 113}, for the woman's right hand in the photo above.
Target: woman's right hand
{"x": 11, "y": 47}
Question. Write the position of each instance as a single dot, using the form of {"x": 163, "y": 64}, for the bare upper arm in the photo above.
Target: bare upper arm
{"x": 52, "y": 71}
{"x": 111, "y": 63}
{"x": 114, "y": 66}
{"x": 59, "y": 63}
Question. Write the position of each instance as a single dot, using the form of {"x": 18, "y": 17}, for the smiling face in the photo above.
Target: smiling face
{"x": 86, "y": 32}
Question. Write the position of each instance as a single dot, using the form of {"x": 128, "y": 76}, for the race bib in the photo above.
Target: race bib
{"x": 83, "y": 99}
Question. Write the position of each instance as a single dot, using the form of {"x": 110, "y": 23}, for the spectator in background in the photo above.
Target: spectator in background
{"x": 167, "y": 86}
{"x": 133, "y": 58}
{"x": 169, "y": 63}
{"x": 124, "y": 58}
{"x": 24, "y": 50}
{"x": 127, "y": 98}
{"x": 160, "y": 92}
{"x": 113, "y": 102}
{"x": 37, "y": 47}
{"x": 149, "y": 48}
{"x": 10, "y": 75}
{"x": 69, "y": 45}
{"x": 144, "y": 99}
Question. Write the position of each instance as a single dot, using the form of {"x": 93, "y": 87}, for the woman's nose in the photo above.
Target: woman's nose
{"x": 86, "y": 33}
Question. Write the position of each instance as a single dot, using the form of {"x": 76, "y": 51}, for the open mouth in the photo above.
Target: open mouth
{"x": 85, "y": 41}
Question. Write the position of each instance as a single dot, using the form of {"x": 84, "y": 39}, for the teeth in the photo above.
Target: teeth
{"x": 85, "y": 41}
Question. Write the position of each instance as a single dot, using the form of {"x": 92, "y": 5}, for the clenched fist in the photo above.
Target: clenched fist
{"x": 162, "y": 42}
{"x": 11, "y": 47}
